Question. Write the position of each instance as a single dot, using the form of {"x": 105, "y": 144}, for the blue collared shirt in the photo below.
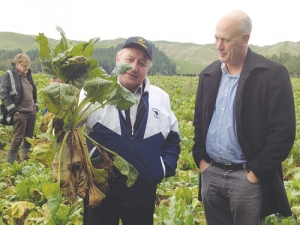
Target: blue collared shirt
{"x": 222, "y": 144}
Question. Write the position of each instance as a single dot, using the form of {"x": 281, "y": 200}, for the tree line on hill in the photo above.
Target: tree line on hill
{"x": 291, "y": 62}
{"x": 162, "y": 64}
{"x": 106, "y": 57}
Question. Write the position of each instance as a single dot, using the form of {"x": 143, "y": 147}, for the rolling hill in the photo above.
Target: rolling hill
{"x": 189, "y": 58}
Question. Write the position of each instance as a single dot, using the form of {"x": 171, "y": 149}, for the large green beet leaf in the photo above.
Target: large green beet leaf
{"x": 60, "y": 98}
{"x": 46, "y": 55}
{"x": 72, "y": 64}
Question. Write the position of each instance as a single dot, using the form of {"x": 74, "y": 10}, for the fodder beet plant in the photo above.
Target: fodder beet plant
{"x": 85, "y": 88}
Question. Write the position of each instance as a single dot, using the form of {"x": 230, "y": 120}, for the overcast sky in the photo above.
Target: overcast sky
{"x": 170, "y": 20}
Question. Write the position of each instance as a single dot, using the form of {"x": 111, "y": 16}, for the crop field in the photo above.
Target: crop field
{"x": 23, "y": 195}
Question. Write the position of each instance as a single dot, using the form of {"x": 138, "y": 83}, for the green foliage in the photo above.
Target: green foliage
{"x": 161, "y": 63}
{"x": 276, "y": 219}
{"x": 182, "y": 92}
{"x": 186, "y": 161}
{"x": 176, "y": 201}
{"x": 291, "y": 62}
{"x": 106, "y": 57}
{"x": 7, "y": 57}
{"x": 5, "y": 137}
{"x": 126, "y": 169}
{"x": 23, "y": 197}
{"x": 293, "y": 160}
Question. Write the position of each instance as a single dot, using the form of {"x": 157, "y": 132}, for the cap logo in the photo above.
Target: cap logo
{"x": 142, "y": 42}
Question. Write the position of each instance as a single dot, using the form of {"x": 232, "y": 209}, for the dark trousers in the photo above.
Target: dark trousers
{"x": 23, "y": 127}
{"x": 108, "y": 213}
{"x": 229, "y": 198}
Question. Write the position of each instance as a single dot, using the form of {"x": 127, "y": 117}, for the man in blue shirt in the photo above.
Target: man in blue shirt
{"x": 244, "y": 128}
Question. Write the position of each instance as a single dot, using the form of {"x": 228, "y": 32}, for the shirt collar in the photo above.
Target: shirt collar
{"x": 226, "y": 72}
{"x": 224, "y": 68}
{"x": 139, "y": 91}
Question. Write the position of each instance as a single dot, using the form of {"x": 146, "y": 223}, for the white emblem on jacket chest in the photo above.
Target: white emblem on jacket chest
{"x": 155, "y": 112}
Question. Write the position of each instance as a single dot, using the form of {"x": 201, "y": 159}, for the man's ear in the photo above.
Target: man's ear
{"x": 246, "y": 38}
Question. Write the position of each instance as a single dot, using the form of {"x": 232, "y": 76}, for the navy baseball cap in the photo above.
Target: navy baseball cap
{"x": 141, "y": 42}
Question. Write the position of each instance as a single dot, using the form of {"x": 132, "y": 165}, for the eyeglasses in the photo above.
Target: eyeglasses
{"x": 26, "y": 67}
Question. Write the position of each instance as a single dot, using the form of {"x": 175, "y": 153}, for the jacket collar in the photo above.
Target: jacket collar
{"x": 252, "y": 61}
{"x": 15, "y": 71}
{"x": 147, "y": 84}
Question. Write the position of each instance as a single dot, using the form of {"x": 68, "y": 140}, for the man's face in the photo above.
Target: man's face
{"x": 230, "y": 44}
{"x": 22, "y": 67}
{"x": 140, "y": 63}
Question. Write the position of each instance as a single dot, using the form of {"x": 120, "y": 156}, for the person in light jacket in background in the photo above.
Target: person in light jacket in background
{"x": 244, "y": 128}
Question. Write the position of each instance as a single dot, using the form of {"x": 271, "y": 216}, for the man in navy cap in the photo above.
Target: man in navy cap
{"x": 146, "y": 136}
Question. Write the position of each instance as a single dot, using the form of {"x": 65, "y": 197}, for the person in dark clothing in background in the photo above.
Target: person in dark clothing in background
{"x": 19, "y": 95}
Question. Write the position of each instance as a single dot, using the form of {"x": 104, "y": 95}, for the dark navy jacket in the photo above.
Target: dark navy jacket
{"x": 153, "y": 149}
